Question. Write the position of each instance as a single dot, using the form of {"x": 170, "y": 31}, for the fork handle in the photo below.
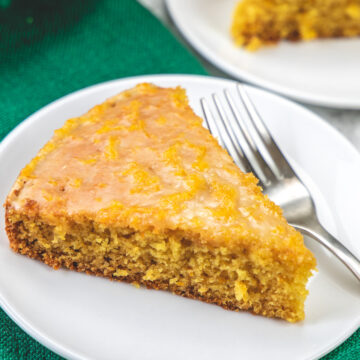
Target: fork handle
{"x": 320, "y": 234}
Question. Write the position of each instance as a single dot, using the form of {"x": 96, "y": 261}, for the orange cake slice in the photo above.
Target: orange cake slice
{"x": 261, "y": 22}
{"x": 138, "y": 190}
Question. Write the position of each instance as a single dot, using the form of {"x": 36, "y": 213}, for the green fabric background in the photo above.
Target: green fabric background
{"x": 51, "y": 48}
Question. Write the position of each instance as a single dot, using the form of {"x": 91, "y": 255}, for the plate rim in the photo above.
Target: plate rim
{"x": 242, "y": 75}
{"x": 55, "y": 345}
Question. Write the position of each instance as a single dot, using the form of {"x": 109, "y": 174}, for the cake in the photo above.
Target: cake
{"x": 261, "y": 22}
{"x": 137, "y": 190}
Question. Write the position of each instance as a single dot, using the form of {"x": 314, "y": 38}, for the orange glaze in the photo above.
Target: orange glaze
{"x": 143, "y": 159}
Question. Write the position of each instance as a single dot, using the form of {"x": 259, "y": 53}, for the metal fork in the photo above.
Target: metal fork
{"x": 257, "y": 151}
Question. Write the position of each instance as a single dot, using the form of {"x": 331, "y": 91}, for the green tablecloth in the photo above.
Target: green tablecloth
{"x": 51, "y": 48}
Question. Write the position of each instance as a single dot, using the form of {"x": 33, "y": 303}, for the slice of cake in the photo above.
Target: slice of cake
{"x": 138, "y": 190}
{"x": 261, "y": 22}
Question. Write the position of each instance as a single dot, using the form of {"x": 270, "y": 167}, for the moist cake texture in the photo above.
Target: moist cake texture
{"x": 138, "y": 190}
{"x": 260, "y": 22}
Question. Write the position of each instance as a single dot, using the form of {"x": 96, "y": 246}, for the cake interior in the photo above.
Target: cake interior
{"x": 176, "y": 261}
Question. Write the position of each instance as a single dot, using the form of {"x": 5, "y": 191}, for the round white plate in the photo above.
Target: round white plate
{"x": 322, "y": 72}
{"x": 85, "y": 317}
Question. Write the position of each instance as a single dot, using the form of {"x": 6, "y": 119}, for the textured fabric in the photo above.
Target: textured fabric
{"x": 51, "y": 48}
{"x": 349, "y": 350}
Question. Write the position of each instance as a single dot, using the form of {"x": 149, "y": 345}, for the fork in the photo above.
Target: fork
{"x": 252, "y": 148}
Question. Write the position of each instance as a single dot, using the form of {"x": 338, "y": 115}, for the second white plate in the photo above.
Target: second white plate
{"x": 85, "y": 317}
{"x": 322, "y": 72}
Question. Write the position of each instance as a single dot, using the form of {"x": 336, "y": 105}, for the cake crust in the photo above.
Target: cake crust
{"x": 25, "y": 249}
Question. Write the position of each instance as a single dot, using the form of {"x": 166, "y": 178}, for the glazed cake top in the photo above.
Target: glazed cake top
{"x": 142, "y": 159}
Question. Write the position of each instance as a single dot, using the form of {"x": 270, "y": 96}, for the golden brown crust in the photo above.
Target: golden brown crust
{"x": 271, "y": 298}
{"x": 22, "y": 247}
{"x": 156, "y": 285}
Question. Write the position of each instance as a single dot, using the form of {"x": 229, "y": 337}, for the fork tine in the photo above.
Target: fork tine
{"x": 259, "y": 165}
{"x": 281, "y": 166}
{"x": 210, "y": 122}
{"x": 224, "y": 125}
{"x": 222, "y": 134}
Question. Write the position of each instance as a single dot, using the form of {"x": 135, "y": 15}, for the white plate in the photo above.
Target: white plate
{"x": 85, "y": 317}
{"x": 322, "y": 72}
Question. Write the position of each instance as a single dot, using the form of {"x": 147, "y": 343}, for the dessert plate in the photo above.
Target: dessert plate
{"x": 321, "y": 72}
{"x": 85, "y": 317}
